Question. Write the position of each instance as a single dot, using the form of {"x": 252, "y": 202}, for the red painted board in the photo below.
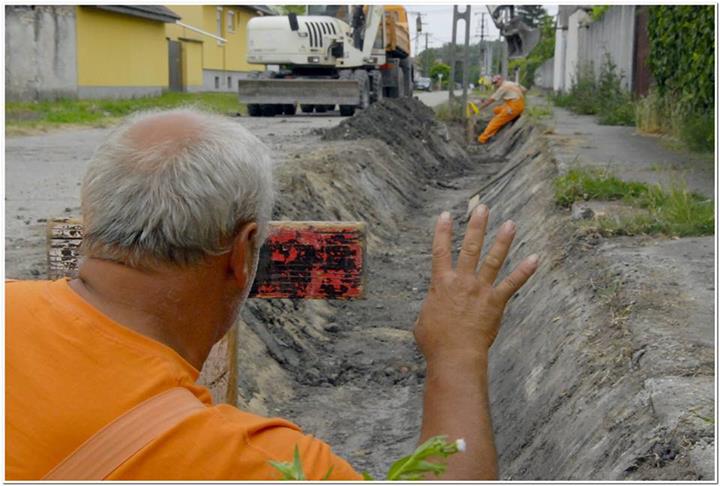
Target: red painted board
{"x": 299, "y": 260}
{"x": 312, "y": 260}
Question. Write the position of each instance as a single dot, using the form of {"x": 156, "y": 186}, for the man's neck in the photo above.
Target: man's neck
{"x": 183, "y": 308}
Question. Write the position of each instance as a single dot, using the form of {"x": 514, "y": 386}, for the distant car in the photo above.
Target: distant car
{"x": 423, "y": 84}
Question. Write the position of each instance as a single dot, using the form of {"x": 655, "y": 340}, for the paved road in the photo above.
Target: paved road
{"x": 579, "y": 139}
{"x": 43, "y": 174}
{"x": 432, "y": 98}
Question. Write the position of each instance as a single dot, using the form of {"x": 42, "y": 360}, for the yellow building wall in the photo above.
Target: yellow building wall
{"x": 119, "y": 50}
{"x": 192, "y": 63}
{"x": 231, "y": 56}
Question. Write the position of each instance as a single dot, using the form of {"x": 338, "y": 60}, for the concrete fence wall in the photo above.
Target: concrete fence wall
{"x": 581, "y": 41}
{"x": 612, "y": 35}
{"x": 544, "y": 75}
{"x": 40, "y": 53}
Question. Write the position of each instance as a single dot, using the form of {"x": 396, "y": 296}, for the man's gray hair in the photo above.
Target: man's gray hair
{"x": 175, "y": 202}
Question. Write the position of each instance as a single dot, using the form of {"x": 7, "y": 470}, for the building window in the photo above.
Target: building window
{"x": 230, "y": 21}
{"x": 217, "y": 82}
{"x": 229, "y": 82}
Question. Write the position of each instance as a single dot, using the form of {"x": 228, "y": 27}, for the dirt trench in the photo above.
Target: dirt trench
{"x": 573, "y": 396}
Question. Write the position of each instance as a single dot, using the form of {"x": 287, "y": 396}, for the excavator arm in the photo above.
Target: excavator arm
{"x": 520, "y": 37}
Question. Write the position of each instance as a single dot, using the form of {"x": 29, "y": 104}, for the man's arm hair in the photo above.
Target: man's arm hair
{"x": 457, "y": 325}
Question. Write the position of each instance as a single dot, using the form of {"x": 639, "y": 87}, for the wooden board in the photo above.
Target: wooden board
{"x": 300, "y": 259}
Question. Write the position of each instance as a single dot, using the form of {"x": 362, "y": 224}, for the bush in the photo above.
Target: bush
{"x": 697, "y": 130}
{"x": 656, "y": 113}
{"x": 603, "y": 96}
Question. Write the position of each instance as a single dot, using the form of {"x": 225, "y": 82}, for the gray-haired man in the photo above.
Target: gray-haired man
{"x": 175, "y": 206}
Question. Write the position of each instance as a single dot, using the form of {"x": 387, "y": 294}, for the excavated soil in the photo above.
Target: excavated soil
{"x": 577, "y": 391}
{"x": 604, "y": 367}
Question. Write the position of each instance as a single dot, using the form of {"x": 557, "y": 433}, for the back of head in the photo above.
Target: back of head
{"x": 172, "y": 187}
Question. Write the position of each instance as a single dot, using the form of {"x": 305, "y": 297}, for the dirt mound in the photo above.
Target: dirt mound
{"x": 410, "y": 129}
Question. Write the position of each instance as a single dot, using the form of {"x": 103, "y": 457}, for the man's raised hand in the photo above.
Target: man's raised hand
{"x": 463, "y": 309}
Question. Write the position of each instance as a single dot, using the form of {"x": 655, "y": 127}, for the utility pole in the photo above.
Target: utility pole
{"x": 418, "y": 29}
{"x": 466, "y": 53}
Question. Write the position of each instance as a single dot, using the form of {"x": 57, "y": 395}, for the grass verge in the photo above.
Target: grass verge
{"x": 22, "y": 116}
{"x": 673, "y": 212}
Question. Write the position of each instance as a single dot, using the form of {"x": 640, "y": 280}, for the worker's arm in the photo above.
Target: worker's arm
{"x": 457, "y": 325}
{"x": 486, "y": 103}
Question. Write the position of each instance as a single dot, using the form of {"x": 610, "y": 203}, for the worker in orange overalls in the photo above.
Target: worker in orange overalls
{"x": 513, "y": 97}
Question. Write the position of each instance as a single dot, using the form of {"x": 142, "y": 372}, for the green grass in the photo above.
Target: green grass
{"x": 674, "y": 212}
{"x": 539, "y": 112}
{"x": 449, "y": 113}
{"x": 49, "y": 114}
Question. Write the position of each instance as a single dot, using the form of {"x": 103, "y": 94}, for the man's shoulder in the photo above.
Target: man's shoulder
{"x": 225, "y": 443}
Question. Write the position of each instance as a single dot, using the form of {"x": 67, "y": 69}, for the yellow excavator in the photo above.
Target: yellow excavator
{"x": 335, "y": 55}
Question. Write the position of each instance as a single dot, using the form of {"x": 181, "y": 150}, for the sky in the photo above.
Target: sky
{"x": 437, "y": 21}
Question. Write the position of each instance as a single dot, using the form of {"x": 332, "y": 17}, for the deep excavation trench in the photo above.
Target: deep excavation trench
{"x": 566, "y": 400}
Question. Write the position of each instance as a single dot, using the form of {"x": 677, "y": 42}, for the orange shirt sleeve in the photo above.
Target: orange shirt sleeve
{"x": 224, "y": 443}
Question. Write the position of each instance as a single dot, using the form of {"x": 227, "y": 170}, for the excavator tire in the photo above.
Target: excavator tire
{"x": 347, "y": 110}
{"x": 307, "y": 108}
{"x": 254, "y": 109}
{"x": 406, "y": 70}
{"x": 289, "y": 109}
{"x": 362, "y": 76}
{"x": 376, "y": 93}
{"x": 267, "y": 110}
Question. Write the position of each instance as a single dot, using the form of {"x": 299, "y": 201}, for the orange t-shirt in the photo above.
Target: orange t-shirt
{"x": 70, "y": 370}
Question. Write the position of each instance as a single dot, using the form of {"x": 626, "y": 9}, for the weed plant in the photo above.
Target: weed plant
{"x": 603, "y": 95}
{"x": 674, "y": 212}
{"x": 656, "y": 113}
{"x": 449, "y": 112}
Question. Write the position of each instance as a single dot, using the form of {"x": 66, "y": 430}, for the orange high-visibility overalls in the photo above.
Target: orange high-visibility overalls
{"x": 504, "y": 114}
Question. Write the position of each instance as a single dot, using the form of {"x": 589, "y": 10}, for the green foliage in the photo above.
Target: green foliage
{"x": 89, "y": 112}
{"x": 440, "y": 69}
{"x": 603, "y": 96}
{"x": 449, "y": 112}
{"x": 656, "y": 113}
{"x": 598, "y": 12}
{"x": 587, "y": 184}
{"x": 414, "y": 467}
{"x": 286, "y": 9}
{"x": 539, "y": 111}
{"x": 292, "y": 471}
{"x": 682, "y": 53}
{"x": 544, "y": 50}
{"x": 676, "y": 212}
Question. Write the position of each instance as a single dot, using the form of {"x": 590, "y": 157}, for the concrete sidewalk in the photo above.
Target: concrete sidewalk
{"x": 579, "y": 139}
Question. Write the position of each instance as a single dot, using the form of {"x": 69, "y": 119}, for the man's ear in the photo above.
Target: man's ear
{"x": 242, "y": 253}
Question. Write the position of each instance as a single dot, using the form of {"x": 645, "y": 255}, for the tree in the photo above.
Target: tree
{"x": 286, "y": 9}
{"x": 439, "y": 69}
{"x": 531, "y": 14}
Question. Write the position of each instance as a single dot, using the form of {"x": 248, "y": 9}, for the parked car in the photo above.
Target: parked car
{"x": 423, "y": 84}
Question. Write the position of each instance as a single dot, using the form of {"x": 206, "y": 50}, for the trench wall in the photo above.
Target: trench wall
{"x": 569, "y": 400}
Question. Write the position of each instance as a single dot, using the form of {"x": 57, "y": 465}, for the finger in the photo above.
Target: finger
{"x": 497, "y": 254}
{"x": 442, "y": 245}
{"x": 473, "y": 242}
{"x": 517, "y": 278}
